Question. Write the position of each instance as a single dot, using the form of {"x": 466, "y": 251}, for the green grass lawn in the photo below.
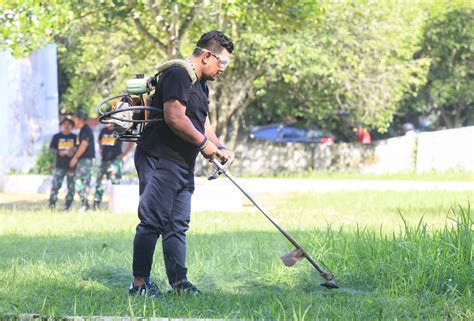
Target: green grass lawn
{"x": 405, "y": 255}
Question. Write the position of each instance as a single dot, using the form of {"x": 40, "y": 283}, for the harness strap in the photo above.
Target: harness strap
{"x": 181, "y": 63}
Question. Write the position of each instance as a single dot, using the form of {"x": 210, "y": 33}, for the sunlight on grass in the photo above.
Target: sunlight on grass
{"x": 448, "y": 175}
{"x": 385, "y": 249}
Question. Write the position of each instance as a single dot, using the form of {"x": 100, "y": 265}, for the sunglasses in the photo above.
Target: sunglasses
{"x": 223, "y": 62}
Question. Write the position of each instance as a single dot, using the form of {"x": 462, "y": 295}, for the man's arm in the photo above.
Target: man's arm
{"x": 99, "y": 141}
{"x": 211, "y": 134}
{"x": 53, "y": 146}
{"x": 126, "y": 151}
{"x": 82, "y": 148}
{"x": 181, "y": 125}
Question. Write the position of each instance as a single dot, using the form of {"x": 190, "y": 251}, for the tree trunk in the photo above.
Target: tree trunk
{"x": 459, "y": 119}
{"x": 446, "y": 119}
{"x": 229, "y": 97}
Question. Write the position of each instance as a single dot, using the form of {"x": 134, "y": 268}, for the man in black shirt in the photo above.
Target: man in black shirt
{"x": 63, "y": 145}
{"x": 111, "y": 163}
{"x": 83, "y": 158}
{"x": 165, "y": 158}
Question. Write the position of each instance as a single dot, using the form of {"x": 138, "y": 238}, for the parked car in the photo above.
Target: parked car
{"x": 283, "y": 133}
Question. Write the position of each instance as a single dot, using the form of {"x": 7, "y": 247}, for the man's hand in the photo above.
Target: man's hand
{"x": 229, "y": 155}
{"x": 210, "y": 151}
{"x": 73, "y": 162}
{"x": 66, "y": 153}
{"x": 80, "y": 151}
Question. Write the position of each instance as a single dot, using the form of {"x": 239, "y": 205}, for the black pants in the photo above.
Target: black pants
{"x": 164, "y": 209}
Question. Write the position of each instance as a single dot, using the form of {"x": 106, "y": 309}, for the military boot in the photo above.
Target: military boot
{"x": 52, "y": 205}
{"x": 84, "y": 207}
{"x": 96, "y": 206}
{"x": 67, "y": 206}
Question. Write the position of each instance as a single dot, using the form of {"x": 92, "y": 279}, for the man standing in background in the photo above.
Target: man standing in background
{"x": 63, "y": 145}
{"x": 111, "y": 162}
{"x": 83, "y": 158}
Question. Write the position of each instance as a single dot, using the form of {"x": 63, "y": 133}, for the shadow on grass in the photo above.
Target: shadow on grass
{"x": 38, "y": 205}
{"x": 95, "y": 270}
{"x": 240, "y": 273}
{"x": 25, "y": 205}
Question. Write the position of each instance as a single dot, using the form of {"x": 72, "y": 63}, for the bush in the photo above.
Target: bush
{"x": 45, "y": 161}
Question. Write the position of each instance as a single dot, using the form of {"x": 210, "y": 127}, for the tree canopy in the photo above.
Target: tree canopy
{"x": 448, "y": 43}
{"x": 29, "y": 25}
{"x": 332, "y": 64}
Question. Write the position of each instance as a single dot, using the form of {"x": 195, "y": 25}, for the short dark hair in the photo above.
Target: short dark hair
{"x": 214, "y": 41}
{"x": 67, "y": 119}
{"x": 81, "y": 114}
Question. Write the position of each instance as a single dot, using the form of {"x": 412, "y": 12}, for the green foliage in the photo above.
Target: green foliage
{"x": 28, "y": 24}
{"x": 353, "y": 67}
{"x": 45, "y": 161}
{"x": 96, "y": 63}
{"x": 108, "y": 46}
{"x": 449, "y": 44}
{"x": 331, "y": 63}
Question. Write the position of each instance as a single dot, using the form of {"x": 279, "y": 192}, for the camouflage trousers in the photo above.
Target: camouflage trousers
{"x": 109, "y": 170}
{"x": 58, "y": 178}
{"x": 83, "y": 178}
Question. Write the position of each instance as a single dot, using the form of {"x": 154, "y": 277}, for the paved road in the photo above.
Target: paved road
{"x": 277, "y": 185}
{"x": 42, "y": 184}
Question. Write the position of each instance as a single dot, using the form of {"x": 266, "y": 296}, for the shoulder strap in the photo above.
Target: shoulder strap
{"x": 181, "y": 63}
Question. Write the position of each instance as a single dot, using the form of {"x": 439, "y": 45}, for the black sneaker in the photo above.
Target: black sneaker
{"x": 149, "y": 289}
{"x": 184, "y": 287}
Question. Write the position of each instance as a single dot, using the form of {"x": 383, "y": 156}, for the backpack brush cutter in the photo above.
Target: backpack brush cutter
{"x": 129, "y": 112}
{"x": 292, "y": 257}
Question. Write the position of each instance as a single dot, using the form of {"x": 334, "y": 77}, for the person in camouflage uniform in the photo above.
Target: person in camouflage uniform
{"x": 111, "y": 163}
{"x": 83, "y": 158}
{"x": 63, "y": 145}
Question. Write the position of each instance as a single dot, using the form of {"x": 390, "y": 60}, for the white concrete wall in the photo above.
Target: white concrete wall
{"x": 218, "y": 195}
{"x": 393, "y": 155}
{"x": 446, "y": 149}
{"x": 28, "y": 107}
{"x": 28, "y": 184}
{"x": 438, "y": 150}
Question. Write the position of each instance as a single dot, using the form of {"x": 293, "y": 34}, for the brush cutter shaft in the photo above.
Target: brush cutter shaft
{"x": 264, "y": 211}
{"x": 224, "y": 170}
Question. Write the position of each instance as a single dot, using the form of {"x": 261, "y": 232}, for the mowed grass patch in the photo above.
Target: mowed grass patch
{"x": 404, "y": 255}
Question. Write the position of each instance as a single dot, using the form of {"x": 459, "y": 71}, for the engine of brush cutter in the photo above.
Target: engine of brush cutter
{"x": 130, "y": 112}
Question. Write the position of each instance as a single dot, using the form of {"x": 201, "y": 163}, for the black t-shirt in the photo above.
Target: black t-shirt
{"x": 111, "y": 147}
{"x": 63, "y": 143}
{"x": 158, "y": 139}
{"x": 86, "y": 134}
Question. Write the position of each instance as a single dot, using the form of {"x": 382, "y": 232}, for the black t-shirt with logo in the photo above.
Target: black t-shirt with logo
{"x": 86, "y": 134}
{"x": 111, "y": 147}
{"x": 63, "y": 143}
{"x": 158, "y": 139}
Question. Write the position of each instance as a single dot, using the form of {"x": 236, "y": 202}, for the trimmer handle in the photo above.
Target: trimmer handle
{"x": 221, "y": 166}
